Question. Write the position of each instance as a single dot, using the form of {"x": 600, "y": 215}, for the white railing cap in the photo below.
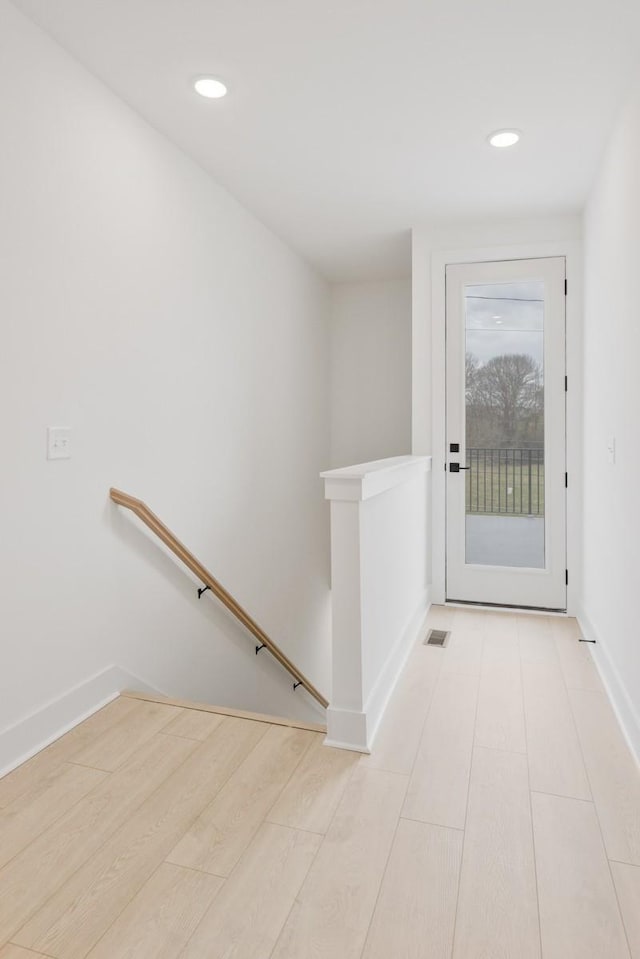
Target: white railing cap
{"x": 364, "y": 480}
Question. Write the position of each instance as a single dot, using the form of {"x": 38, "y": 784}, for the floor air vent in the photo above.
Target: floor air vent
{"x": 437, "y": 637}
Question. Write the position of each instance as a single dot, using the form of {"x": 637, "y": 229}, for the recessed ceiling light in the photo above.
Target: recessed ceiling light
{"x": 210, "y": 87}
{"x": 504, "y": 138}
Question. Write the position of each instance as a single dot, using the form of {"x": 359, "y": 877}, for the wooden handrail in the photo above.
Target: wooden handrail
{"x": 163, "y": 533}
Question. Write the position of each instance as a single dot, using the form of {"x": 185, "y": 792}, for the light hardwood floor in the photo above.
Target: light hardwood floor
{"x": 498, "y": 817}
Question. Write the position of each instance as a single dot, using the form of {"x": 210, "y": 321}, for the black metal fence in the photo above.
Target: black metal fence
{"x": 505, "y": 481}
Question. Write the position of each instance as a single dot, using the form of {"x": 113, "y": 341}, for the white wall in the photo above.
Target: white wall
{"x": 434, "y": 245}
{"x": 187, "y": 348}
{"x": 370, "y": 371}
{"x": 611, "y": 407}
{"x": 395, "y": 539}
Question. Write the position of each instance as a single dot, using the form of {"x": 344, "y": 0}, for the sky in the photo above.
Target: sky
{"x": 505, "y": 318}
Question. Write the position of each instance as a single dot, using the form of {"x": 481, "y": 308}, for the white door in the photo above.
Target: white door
{"x": 505, "y": 368}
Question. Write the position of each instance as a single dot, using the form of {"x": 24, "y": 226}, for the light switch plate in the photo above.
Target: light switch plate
{"x": 58, "y": 443}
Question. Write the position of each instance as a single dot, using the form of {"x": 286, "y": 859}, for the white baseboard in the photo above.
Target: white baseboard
{"x": 626, "y": 712}
{"x": 348, "y": 729}
{"x": 32, "y": 733}
{"x": 381, "y": 693}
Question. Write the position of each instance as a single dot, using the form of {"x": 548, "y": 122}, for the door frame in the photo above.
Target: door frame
{"x": 433, "y": 329}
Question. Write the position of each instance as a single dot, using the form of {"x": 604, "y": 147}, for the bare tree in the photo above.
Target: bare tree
{"x": 471, "y": 367}
{"x": 504, "y": 400}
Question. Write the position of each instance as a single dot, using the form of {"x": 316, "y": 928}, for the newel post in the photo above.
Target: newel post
{"x": 380, "y": 594}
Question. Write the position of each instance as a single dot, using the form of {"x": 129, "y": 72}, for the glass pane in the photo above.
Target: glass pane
{"x": 504, "y": 400}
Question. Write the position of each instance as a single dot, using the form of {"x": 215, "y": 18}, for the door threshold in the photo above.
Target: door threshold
{"x": 504, "y": 608}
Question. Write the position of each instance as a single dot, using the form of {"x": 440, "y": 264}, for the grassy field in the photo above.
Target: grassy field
{"x": 508, "y": 488}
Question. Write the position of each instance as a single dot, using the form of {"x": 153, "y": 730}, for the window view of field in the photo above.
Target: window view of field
{"x": 504, "y": 412}
{"x": 505, "y": 435}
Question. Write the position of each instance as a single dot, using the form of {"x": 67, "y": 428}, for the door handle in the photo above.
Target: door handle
{"x": 456, "y": 468}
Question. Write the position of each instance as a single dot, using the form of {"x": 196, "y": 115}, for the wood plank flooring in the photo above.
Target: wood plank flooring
{"x": 498, "y": 817}
{"x": 497, "y": 906}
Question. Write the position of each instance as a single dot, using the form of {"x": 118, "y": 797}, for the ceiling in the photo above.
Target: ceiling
{"x": 350, "y": 121}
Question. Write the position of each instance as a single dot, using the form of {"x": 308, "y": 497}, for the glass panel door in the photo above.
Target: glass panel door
{"x": 505, "y": 433}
